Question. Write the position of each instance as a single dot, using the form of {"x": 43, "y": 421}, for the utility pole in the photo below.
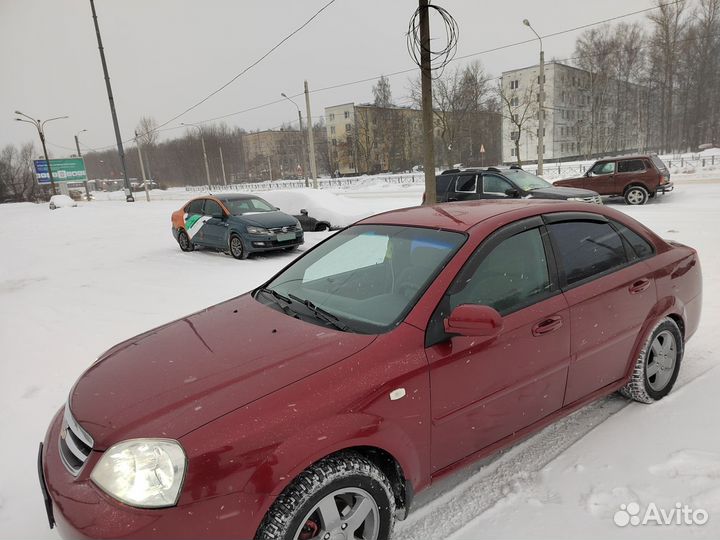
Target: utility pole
{"x": 202, "y": 141}
{"x": 270, "y": 167}
{"x": 142, "y": 167}
{"x": 79, "y": 153}
{"x": 222, "y": 165}
{"x": 128, "y": 191}
{"x": 303, "y": 144}
{"x": 541, "y": 104}
{"x": 427, "y": 110}
{"x": 311, "y": 141}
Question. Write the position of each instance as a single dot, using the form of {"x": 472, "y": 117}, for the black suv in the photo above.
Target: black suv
{"x": 506, "y": 183}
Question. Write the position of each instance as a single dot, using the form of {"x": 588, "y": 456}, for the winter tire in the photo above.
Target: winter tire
{"x": 636, "y": 195}
{"x": 184, "y": 241}
{"x": 342, "y": 496}
{"x": 237, "y": 249}
{"x": 657, "y": 365}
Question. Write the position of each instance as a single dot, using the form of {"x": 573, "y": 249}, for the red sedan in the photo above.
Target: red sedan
{"x": 396, "y": 351}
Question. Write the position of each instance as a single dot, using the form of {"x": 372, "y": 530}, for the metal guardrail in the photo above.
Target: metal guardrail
{"x": 551, "y": 171}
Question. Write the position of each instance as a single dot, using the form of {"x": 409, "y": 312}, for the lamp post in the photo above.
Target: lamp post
{"x": 541, "y": 111}
{"x": 202, "y": 140}
{"x": 302, "y": 139}
{"x": 79, "y": 153}
{"x": 40, "y": 126}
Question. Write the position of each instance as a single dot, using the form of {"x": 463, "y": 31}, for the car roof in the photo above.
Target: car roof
{"x": 511, "y": 168}
{"x": 629, "y": 156}
{"x": 462, "y": 215}
{"x": 235, "y": 196}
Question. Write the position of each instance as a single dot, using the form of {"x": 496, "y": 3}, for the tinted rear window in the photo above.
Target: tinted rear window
{"x": 630, "y": 165}
{"x": 641, "y": 247}
{"x": 586, "y": 248}
{"x": 658, "y": 163}
{"x": 466, "y": 184}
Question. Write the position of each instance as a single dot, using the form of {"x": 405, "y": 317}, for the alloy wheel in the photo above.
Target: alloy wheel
{"x": 345, "y": 514}
{"x": 661, "y": 361}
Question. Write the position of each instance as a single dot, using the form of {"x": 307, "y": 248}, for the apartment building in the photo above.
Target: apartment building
{"x": 586, "y": 114}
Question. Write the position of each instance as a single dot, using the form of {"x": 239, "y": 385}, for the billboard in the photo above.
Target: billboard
{"x": 63, "y": 170}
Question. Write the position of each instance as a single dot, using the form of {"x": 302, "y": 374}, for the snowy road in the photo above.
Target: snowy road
{"x": 74, "y": 282}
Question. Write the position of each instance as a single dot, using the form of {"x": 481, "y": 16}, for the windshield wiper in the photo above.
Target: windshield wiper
{"x": 279, "y": 299}
{"x": 320, "y": 313}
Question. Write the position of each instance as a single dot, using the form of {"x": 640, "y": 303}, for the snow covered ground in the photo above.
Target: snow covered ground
{"x": 75, "y": 281}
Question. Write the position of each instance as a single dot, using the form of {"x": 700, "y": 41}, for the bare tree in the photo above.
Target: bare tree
{"x": 519, "y": 108}
{"x": 147, "y": 131}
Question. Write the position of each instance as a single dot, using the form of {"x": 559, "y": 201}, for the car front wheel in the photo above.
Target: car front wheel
{"x": 658, "y": 364}
{"x": 343, "y": 496}
{"x": 636, "y": 195}
{"x": 236, "y": 248}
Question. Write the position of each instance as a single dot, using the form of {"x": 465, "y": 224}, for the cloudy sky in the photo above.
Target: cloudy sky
{"x": 165, "y": 55}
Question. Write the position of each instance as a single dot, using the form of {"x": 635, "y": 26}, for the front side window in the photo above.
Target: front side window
{"x": 586, "y": 249}
{"x": 368, "y": 277}
{"x": 526, "y": 181}
{"x": 631, "y": 165}
{"x": 512, "y": 276}
{"x": 607, "y": 167}
{"x": 212, "y": 208}
{"x": 495, "y": 185}
{"x": 466, "y": 184}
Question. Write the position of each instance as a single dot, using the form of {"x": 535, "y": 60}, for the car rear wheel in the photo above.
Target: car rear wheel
{"x": 635, "y": 195}
{"x": 344, "y": 496}
{"x": 184, "y": 241}
{"x": 658, "y": 364}
{"x": 236, "y": 248}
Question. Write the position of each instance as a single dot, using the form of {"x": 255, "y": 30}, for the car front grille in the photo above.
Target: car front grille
{"x": 75, "y": 443}
{"x": 289, "y": 228}
{"x": 595, "y": 199}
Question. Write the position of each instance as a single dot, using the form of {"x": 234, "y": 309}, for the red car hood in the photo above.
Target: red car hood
{"x": 178, "y": 377}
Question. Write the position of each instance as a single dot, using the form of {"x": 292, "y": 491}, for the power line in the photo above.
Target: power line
{"x": 368, "y": 79}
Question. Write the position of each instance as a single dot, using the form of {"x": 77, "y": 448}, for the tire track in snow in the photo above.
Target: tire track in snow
{"x": 448, "y": 506}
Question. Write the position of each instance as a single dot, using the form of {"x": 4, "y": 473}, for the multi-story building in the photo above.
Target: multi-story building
{"x": 273, "y": 154}
{"x": 585, "y": 114}
{"x": 365, "y": 138}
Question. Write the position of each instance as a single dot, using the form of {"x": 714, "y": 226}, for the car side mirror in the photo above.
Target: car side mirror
{"x": 304, "y": 212}
{"x": 512, "y": 192}
{"x": 473, "y": 320}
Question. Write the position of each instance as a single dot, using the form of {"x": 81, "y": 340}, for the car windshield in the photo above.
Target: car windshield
{"x": 364, "y": 279}
{"x": 525, "y": 180}
{"x": 250, "y": 205}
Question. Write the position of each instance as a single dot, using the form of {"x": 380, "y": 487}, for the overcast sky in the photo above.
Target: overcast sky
{"x": 165, "y": 55}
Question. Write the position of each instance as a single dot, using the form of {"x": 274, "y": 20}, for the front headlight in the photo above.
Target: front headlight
{"x": 147, "y": 473}
{"x": 578, "y": 199}
{"x": 257, "y": 230}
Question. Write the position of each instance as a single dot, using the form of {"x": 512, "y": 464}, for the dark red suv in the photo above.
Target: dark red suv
{"x": 396, "y": 351}
{"x": 635, "y": 178}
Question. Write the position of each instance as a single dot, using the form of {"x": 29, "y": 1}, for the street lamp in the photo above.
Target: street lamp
{"x": 79, "y": 153}
{"x": 541, "y": 112}
{"x": 202, "y": 140}
{"x": 302, "y": 138}
{"x": 40, "y": 126}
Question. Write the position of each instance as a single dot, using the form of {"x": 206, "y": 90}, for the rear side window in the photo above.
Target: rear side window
{"x": 586, "y": 249}
{"x": 631, "y": 165}
{"x": 196, "y": 206}
{"x": 466, "y": 184}
{"x": 641, "y": 247}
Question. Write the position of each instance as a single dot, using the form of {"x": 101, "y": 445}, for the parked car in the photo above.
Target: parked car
{"x": 635, "y": 178}
{"x": 497, "y": 183}
{"x": 309, "y": 223}
{"x": 238, "y": 224}
{"x": 394, "y": 352}
{"x": 61, "y": 201}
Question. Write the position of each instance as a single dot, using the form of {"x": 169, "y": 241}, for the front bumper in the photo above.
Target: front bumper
{"x": 81, "y": 510}
{"x": 665, "y": 188}
{"x": 255, "y": 243}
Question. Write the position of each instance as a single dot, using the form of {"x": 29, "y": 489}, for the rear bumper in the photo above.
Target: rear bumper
{"x": 665, "y": 188}
{"x": 81, "y": 510}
